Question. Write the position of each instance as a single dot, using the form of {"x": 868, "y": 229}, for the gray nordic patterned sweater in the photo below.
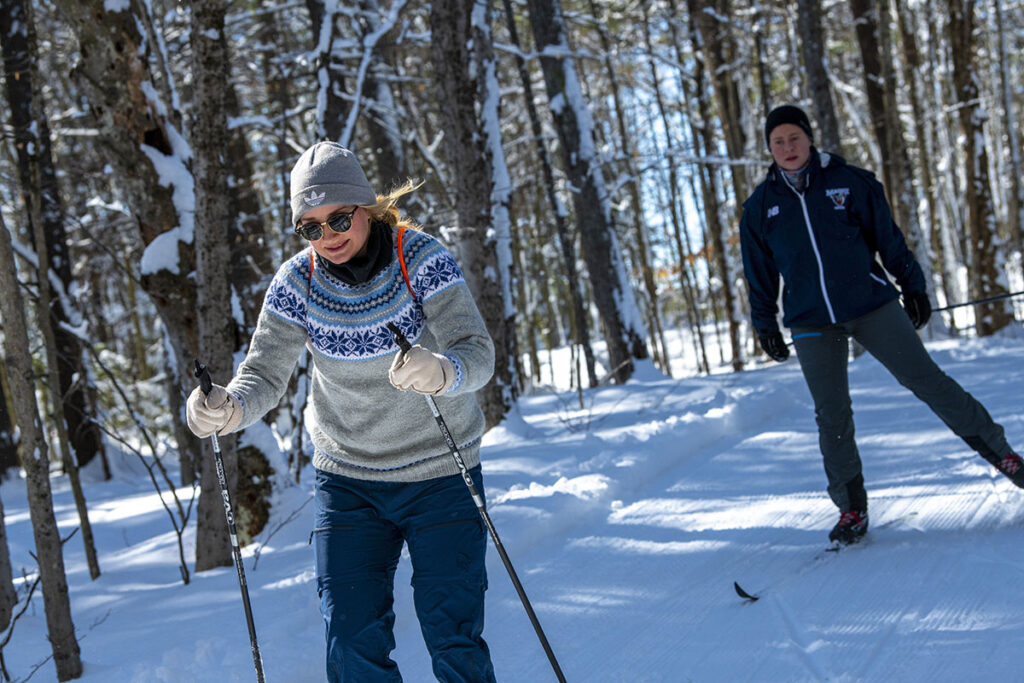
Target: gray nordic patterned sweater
{"x": 362, "y": 426}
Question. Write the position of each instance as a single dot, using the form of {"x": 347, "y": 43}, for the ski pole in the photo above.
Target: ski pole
{"x": 978, "y": 301}
{"x": 206, "y": 384}
{"x": 404, "y": 345}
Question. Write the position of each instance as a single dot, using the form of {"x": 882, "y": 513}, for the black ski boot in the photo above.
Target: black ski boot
{"x": 1012, "y": 466}
{"x": 852, "y": 525}
{"x": 1009, "y": 465}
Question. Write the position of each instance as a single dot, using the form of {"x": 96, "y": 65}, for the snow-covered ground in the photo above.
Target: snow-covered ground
{"x": 628, "y": 521}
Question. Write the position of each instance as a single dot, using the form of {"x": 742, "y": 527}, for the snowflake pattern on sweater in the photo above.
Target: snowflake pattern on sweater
{"x": 349, "y": 322}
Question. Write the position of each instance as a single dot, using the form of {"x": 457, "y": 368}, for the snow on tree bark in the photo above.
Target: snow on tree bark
{"x": 623, "y": 326}
{"x": 149, "y": 158}
{"x": 985, "y": 251}
{"x": 463, "y": 60}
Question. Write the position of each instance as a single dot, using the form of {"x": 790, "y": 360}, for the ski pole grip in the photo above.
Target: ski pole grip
{"x": 205, "y": 383}
{"x": 400, "y": 338}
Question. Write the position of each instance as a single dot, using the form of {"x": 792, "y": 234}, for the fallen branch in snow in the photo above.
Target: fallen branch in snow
{"x": 181, "y": 522}
{"x": 4, "y": 676}
{"x": 291, "y": 517}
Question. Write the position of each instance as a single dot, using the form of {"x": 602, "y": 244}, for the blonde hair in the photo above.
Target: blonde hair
{"x": 386, "y": 208}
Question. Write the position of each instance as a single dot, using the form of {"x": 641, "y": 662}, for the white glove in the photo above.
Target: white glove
{"x": 219, "y": 412}
{"x": 422, "y": 371}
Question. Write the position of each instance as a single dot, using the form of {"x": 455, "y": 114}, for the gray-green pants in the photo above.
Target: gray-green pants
{"x": 887, "y": 335}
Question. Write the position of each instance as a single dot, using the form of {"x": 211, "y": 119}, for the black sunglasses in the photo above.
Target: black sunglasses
{"x": 339, "y": 222}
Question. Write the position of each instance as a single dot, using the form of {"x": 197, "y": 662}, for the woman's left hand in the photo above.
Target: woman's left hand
{"x": 422, "y": 371}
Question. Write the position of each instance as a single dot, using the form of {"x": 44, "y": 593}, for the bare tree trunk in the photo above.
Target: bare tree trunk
{"x": 703, "y": 138}
{"x": 623, "y": 328}
{"x": 874, "y": 36}
{"x": 713, "y": 34}
{"x": 330, "y": 107}
{"x": 250, "y": 267}
{"x": 138, "y": 138}
{"x": 630, "y": 170}
{"x": 32, "y": 141}
{"x": 8, "y": 448}
{"x": 8, "y": 596}
{"x": 948, "y": 228}
{"x": 986, "y": 279}
{"x": 581, "y": 331}
{"x": 463, "y": 61}
{"x": 762, "y": 18}
{"x": 212, "y": 221}
{"x": 812, "y": 47}
{"x": 865, "y": 19}
{"x": 33, "y": 451}
{"x": 677, "y": 214}
{"x": 382, "y": 114}
{"x": 912, "y": 74}
{"x": 45, "y": 306}
{"x": 44, "y": 210}
{"x": 1015, "y": 204}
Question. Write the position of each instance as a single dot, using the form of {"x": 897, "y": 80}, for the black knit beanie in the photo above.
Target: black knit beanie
{"x": 787, "y": 113}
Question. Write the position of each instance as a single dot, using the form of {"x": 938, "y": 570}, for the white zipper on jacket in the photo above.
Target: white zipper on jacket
{"x": 814, "y": 245}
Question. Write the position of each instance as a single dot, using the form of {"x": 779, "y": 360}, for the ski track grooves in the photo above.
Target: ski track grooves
{"x": 798, "y": 638}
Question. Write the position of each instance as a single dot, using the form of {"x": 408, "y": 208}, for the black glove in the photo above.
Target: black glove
{"x": 918, "y": 308}
{"x": 774, "y": 345}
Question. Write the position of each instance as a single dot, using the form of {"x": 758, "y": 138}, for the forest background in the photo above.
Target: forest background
{"x": 586, "y": 161}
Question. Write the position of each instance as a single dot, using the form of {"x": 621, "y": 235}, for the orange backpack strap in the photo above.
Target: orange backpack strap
{"x": 401, "y": 262}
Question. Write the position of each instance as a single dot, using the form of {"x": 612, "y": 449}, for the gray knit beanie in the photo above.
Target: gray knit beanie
{"x": 327, "y": 173}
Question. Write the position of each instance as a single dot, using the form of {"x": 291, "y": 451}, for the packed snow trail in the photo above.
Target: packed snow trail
{"x": 628, "y": 522}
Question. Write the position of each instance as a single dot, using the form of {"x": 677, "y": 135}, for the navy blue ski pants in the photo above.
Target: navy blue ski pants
{"x": 361, "y": 527}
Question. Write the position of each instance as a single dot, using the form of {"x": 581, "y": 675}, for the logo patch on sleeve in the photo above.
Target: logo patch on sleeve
{"x": 838, "y": 195}
{"x": 773, "y": 211}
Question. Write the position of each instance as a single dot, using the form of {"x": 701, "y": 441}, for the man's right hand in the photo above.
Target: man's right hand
{"x": 217, "y": 412}
{"x": 775, "y": 346}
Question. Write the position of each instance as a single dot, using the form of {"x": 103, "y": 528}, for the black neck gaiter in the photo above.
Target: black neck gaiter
{"x": 380, "y": 247}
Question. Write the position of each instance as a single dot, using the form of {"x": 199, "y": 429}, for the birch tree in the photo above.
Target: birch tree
{"x": 35, "y": 461}
{"x": 624, "y": 331}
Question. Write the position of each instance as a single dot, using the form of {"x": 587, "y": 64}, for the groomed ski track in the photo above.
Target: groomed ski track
{"x": 667, "y": 494}
{"x": 628, "y": 522}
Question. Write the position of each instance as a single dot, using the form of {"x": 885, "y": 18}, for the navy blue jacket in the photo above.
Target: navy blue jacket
{"x": 823, "y": 243}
